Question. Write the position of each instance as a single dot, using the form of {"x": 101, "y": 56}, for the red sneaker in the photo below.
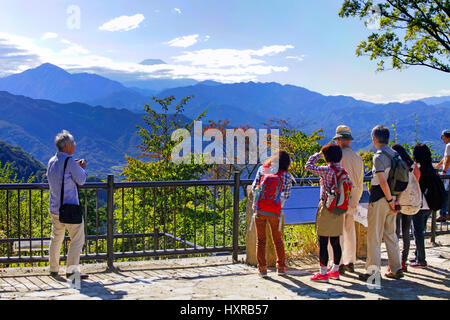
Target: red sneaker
{"x": 404, "y": 267}
{"x": 320, "y": 277}
{"x": 333, "y": 275}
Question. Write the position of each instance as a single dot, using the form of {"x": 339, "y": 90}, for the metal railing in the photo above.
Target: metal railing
{"x": 127, "y": 220}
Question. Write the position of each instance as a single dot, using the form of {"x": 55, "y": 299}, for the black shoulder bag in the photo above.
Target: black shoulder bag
{"x": 69, "y": 213}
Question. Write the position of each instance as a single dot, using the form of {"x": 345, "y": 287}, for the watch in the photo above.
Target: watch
{"x": 389, "y": 201}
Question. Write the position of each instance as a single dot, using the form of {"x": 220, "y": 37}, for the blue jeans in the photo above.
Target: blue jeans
{"x": 419, "y": 226}
{"x": 444, "y": 211}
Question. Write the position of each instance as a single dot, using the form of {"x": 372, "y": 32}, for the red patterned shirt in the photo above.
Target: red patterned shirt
{"x": 327, "y": 175}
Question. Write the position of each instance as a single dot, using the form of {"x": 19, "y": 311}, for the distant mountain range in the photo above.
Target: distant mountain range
{"x": 106, "y": 134}
{"x": 103, "y": 135}
{"x": 23, "y": 164}
{"x": 435, "y": 100}
{"x": 48, "y": 81}
{"x": 253, "y": 103}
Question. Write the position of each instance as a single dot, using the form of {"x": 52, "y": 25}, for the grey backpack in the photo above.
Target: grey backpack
{"x": 398, "y": 178}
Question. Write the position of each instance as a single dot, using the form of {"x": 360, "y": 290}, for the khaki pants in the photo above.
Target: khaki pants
{"x": 76, "y": 233}
{"x": 381, "y": 222}
{"x": 347, "y": 240}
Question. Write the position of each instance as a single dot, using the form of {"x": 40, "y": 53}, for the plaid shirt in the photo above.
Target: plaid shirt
{"x": 325, "y": 172}
{"x": 286, "y": 177}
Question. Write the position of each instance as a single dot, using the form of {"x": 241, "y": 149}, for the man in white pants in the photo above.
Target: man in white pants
{"x": 74, "y": 175}
{"x": 353, "y": 164}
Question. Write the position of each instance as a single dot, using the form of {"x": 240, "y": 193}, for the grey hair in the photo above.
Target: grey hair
{"x": 381, "y": 133}
{"x": 62, "y": 139}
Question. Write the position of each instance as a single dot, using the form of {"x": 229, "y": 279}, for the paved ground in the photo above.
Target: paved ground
{"x": 218, "y": 278}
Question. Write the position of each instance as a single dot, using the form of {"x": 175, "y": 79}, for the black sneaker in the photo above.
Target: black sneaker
{"x": 364, "y": 276}
{"x": 418, "y": 265}
{"x": 349, "y": 268}
{"x": 395, "y": 275}
{"x": 281, "y": 272}
{"x": 263, "y": 274}
{"x": 342, "y": 269}
{"x": 54, "y": 274}
{"x": 82, "y": 275}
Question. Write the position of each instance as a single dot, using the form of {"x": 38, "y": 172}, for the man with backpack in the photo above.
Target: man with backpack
{"x": 383, "y": 207}
{"x": 272, "y": 187}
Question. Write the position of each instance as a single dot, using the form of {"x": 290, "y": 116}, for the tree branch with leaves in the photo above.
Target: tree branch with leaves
{"x": 410, "y": 32}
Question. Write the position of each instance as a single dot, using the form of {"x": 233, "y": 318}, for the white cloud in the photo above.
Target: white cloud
{"x": 400, "y": 97}
{"x": 49, "y": 35}
{"x": 123, "y": 23}
{"x": 221, "y": 58}
{"x": 73, "y": 48}
{"x": 443, "y": 92}
{"x": 206, "y": 38}
{"x": 23, "y": 43}
{"x": 271, "y": 50}
{"x": 298, "y": 58}
{"x": 185, "y": 41}
{"x": 177, "y": 10}
{"x": 224, "y": 65}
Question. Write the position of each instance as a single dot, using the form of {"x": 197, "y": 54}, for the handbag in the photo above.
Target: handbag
{"x": 69, "y": 213}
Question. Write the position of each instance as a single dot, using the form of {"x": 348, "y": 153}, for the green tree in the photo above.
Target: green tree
{"x": 199, "y": 214}
{"x": 410, "y": 32}
{"x": 24, "y": 213}
{"x": 298, "y": 144}
{"x": 157, "y": 136}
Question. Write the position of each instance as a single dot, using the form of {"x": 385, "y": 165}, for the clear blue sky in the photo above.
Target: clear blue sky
{"x": 297, "y": 42}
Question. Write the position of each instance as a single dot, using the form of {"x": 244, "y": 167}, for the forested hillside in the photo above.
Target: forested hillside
{"x": 22, "y": 163}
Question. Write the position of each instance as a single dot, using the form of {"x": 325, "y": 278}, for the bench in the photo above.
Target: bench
{"x": 36, "y": 245}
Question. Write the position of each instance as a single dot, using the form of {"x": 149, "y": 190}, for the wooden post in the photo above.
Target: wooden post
{"x": 361, "y": 240}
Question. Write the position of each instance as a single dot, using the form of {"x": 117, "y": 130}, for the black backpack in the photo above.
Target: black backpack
{"x": 435, "y": 192}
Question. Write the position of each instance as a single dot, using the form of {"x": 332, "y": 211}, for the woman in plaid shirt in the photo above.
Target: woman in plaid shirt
{"x": 329, "y": 225}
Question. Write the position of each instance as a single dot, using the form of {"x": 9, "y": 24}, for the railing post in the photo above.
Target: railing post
{"x": 433, "y": 227}
{"x": 236, "y": 216}
{"x": 110, "y": 224}
{"x": 156, "y": 241}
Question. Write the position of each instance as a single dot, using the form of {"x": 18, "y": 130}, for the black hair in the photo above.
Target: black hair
{"x": 422, "y": 155}
{"x": 381, "y": 133}
{"x": 403, "y": 154}
{"x": 284, "y": 161}
{"x": 332, "y": 153}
